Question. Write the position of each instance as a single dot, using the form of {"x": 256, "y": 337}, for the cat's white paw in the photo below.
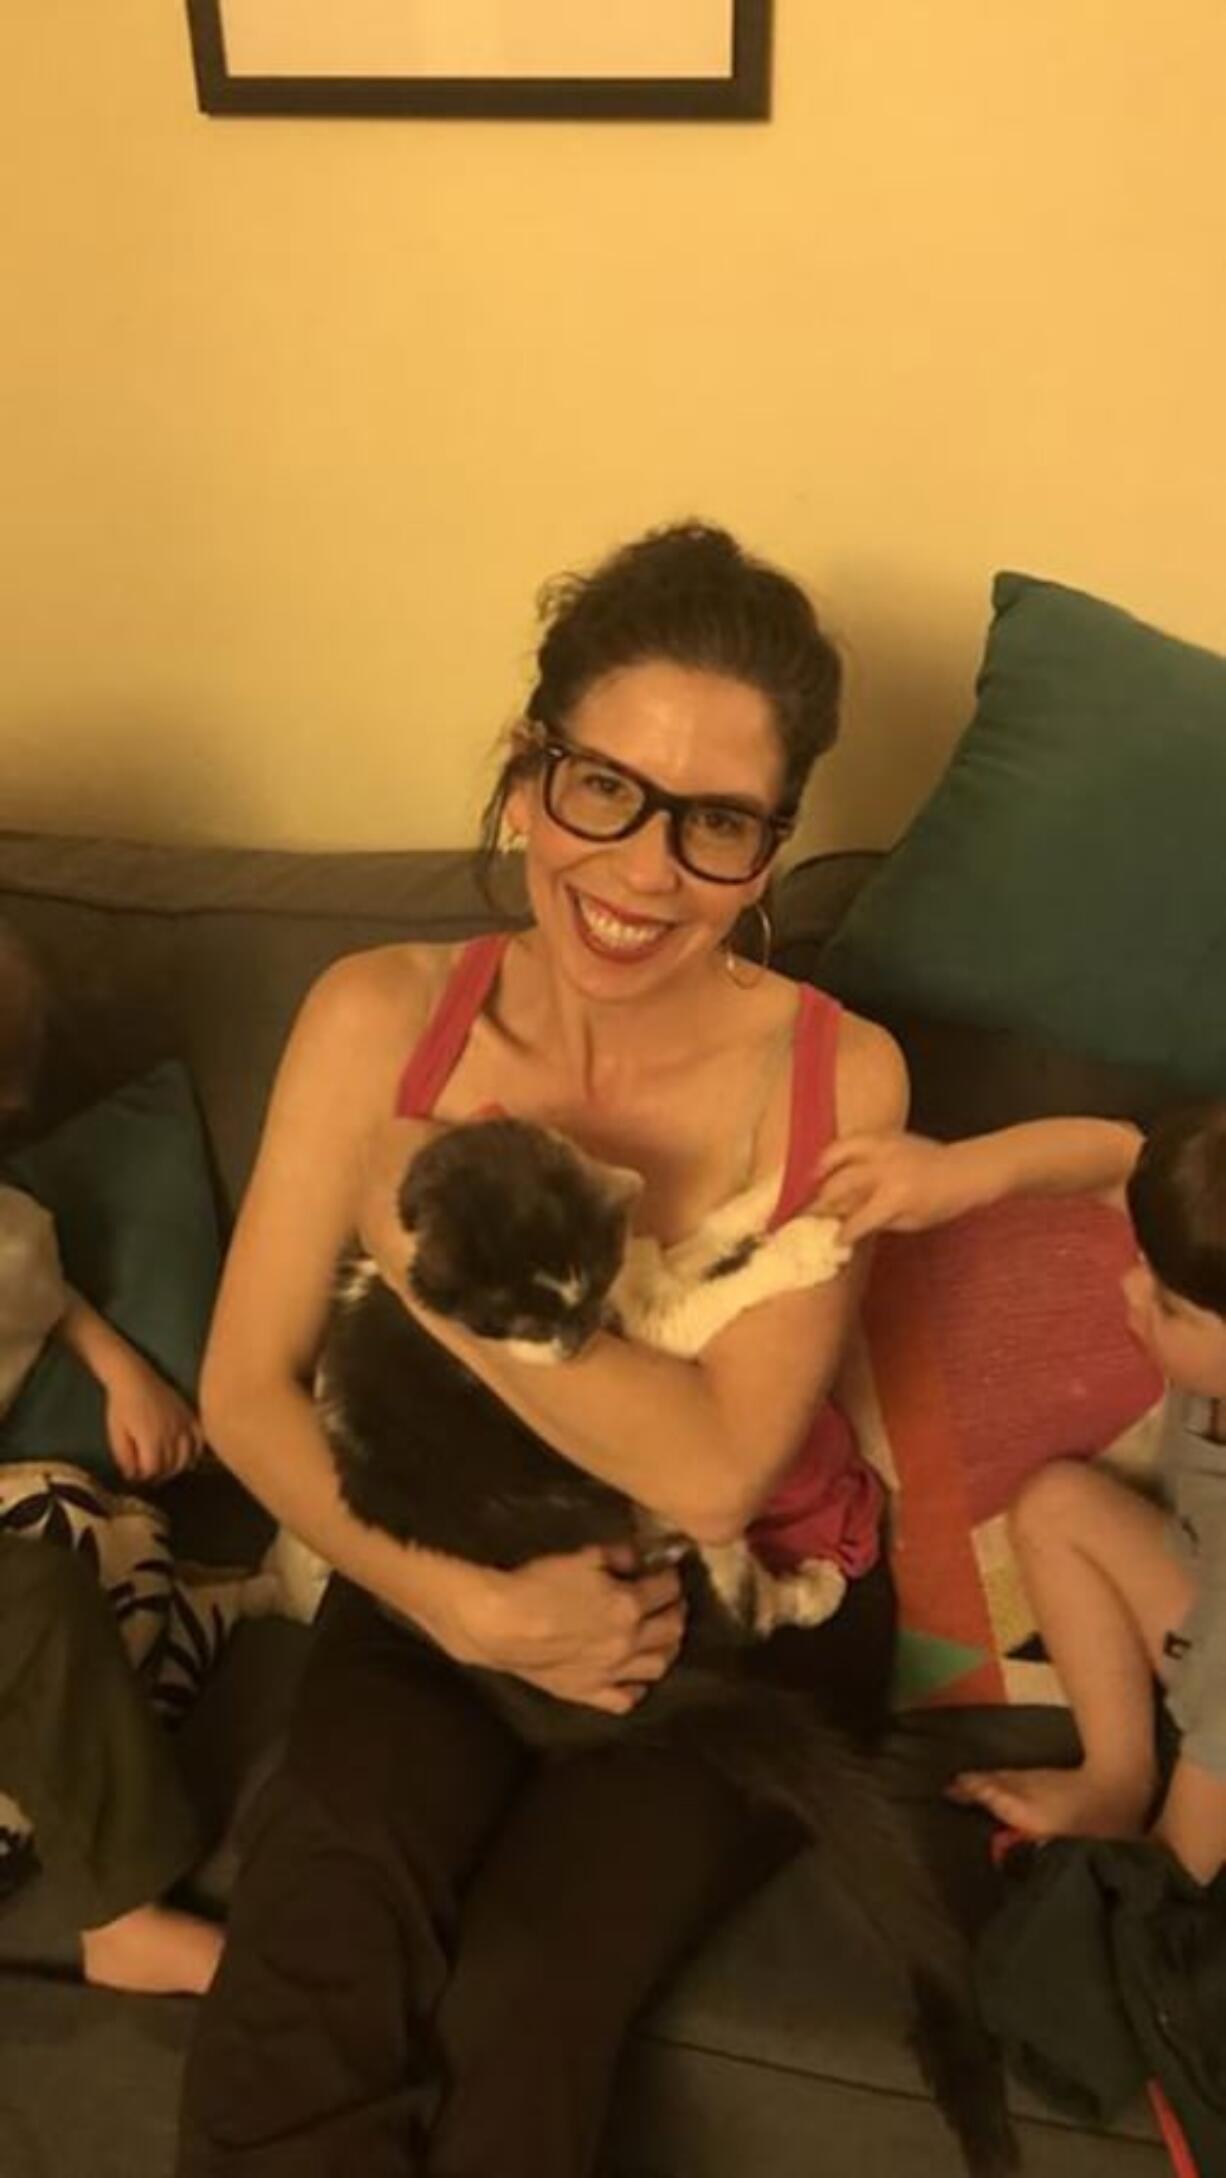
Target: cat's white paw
{"x": 810, "y": 1595}
{"x": 807, "y": 1251}
{"x": 534, "y": 1350}
{"x": 639, "y": 1281}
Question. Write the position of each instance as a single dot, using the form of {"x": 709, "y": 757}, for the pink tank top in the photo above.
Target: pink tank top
{"x": 829, "y": 1503}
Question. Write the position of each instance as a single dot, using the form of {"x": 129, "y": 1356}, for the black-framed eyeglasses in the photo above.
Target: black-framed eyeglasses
{"x": 713, "y": 836}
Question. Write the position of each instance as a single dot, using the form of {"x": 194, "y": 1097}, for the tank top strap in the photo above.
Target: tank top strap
{"x": 437, "y": 1050}
{"x": 813, "y": 1117}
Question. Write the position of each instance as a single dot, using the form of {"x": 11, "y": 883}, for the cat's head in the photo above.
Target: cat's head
{"x": 516, "y": 1233}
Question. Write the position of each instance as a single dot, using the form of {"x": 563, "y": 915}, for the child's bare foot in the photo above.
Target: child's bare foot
{"x": 1073, "y": 1803}
{"x": 153, "y": 1950}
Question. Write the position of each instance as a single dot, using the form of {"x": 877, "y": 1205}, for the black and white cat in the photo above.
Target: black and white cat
{"x": 519, "y": 1236}
{"x": 523, "y": 1238}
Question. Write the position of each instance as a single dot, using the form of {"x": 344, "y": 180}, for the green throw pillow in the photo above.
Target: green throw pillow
{"x": 128, "y": 1185}
{"x": 1068, "y": 875}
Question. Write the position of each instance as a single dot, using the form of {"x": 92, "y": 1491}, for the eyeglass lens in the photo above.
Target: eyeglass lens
{"x": 715, "y": 839}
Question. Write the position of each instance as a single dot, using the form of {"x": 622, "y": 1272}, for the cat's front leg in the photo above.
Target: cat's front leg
{"x": 641, "y": 1282}
{"x": 807, "y": 1251}
{"x": 682, "y": 1318}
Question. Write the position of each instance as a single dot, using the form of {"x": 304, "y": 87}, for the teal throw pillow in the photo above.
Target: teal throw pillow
{"x": 128, "y": 1185}
{"x": 1068, "y": 875}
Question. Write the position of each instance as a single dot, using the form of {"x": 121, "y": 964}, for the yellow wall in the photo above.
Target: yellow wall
{"x": 302, "y": 411}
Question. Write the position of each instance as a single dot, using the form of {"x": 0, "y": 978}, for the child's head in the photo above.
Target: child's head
{"x": 23, "y": 1025}
{"x": 1177, "y": 1295}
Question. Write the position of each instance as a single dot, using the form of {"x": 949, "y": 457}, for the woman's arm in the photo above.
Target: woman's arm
{"x": 904, "y": 1183}
{"x": 702, "y": 1442}
{"x": 569, "y": 1624}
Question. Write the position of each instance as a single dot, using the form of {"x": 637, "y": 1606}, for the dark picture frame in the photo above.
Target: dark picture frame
{"x": 741, "y": 95}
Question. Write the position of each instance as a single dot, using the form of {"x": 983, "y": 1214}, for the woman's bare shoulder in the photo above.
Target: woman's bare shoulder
{"x": 383, "y": 991}
{"x": 871, "y": 1087}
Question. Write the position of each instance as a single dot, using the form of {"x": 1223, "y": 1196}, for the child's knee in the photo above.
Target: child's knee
{"x": 1049, "y": 1500}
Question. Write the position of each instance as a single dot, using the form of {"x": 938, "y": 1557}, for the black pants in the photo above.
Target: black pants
{"x": 438, "y": 1941}
{"x": 80, "y": 1747}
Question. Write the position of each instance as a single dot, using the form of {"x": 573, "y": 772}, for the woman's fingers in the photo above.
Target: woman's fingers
{"x": 616, "y": 1701}
{"x": 660, "y": 1635}
{"x": 655, "y": 1591}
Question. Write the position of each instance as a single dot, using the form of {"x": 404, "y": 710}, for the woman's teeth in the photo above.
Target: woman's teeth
{"x": 613, "y": 934}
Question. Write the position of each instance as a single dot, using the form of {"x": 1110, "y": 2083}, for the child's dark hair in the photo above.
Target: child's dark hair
{"x": 1177, "y": 1199}
{"x": 691, "y": 595}
{"x": 24, "y": 1014}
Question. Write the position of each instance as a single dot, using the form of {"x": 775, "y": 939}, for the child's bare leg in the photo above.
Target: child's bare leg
{"x": 1106, "y": 1589}
{"x": 154, "y": 1950}
{"x": 1193, "y": 1819}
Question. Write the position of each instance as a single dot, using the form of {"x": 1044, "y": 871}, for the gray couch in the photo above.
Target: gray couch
{"x": 779, "y": 2048}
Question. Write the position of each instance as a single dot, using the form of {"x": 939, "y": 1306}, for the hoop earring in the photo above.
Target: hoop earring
{"x": 734, "y": 961}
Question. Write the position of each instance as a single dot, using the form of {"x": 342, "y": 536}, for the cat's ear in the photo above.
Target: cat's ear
{"x": 622, "y": 1184}
{"x": 431, "y": 1159}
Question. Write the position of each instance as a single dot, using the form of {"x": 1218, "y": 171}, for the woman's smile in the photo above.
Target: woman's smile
{"x": 613, "y": 933}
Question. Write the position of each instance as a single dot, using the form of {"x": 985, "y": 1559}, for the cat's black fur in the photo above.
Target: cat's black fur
{"x": 426, "y": 1452}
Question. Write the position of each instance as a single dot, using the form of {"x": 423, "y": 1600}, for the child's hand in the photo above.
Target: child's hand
{"x": 898, "y": 1183}
{"x": 153, "y": 1434}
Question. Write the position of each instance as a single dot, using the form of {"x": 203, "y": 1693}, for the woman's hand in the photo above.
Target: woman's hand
{"x": 585, "y": 1626}
{"x": 898, "y": 1183}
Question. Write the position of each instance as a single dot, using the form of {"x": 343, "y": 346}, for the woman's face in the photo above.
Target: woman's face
{"x": 622, "y": 917}
{"x": 1187, "y": 1343}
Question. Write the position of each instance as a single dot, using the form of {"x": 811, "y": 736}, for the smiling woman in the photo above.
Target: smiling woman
{"x": 683, "y": 691}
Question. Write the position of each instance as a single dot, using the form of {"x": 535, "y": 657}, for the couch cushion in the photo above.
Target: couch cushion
{"x": 127, "y": 1183}
{"x": 1067, "y": 875}
{"x": 205, "y": 953}
{"x": 809, "y": 901}
{"x": 986, "y": 1347}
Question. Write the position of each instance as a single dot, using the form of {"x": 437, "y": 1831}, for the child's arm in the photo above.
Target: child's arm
{"x": 903, "y": 1182}
{"x": 152, "y": 1432}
